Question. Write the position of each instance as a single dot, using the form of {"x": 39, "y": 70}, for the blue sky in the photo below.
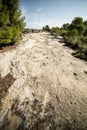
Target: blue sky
{"x": 39, "y": 13}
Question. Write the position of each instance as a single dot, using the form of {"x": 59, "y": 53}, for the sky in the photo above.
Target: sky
{"x": 39, "y": 13}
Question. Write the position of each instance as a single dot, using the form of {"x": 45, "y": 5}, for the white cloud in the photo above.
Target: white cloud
{"x": 37, "y": 19}
{"x": 39, "y": 23}
{"x": 39, "y": 10}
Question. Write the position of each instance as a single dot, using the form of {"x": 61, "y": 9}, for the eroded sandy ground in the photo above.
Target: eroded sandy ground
{"x": 50, "y": 90}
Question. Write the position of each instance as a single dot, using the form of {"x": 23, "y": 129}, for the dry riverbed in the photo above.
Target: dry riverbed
{"x": 45, "y": 86}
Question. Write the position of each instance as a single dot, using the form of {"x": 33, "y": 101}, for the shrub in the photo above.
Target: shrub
{"x": 55, "y": 31}
{"x": 76, "y": 38}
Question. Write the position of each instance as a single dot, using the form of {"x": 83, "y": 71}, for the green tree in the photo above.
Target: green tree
{"x": 77, "y": 20}
{"x": 77, "y": 23}
{"x": 11, "y": 22}
{"x": 72, "y": 33}
{"x": 0, "y": 4}
{"x": 85, "y": 24}
{"x": 47, "y": 28}
{"x": 65, "y": 26}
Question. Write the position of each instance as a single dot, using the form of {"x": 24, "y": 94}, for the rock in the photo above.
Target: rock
{"x": 48, "y": 93}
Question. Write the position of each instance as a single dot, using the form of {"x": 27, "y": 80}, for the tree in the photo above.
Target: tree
{"x": 47, "y": 28}
{"x": 65, "y": 26}
{"x": 11, "y": 22}
{"x": 85, "y": 24}
{"x": 77, "y": 23}
{"x": 73, "y": 33}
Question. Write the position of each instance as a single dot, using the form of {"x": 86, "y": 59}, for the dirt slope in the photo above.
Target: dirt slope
{"x": 50, "y": 87}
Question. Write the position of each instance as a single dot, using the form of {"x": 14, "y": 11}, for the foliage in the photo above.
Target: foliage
{"x": 11, "y": 22}
{"x": 85, "y": 24}
{"x": 76, "y": 37}
{"x": 77, "y": 23}
{"x": 46, "y": 28}
{"x": 65, "y": 26}
{"x": 55, "y": 31}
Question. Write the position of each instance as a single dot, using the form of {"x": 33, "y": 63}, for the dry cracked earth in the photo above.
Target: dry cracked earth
{"x": 45, "y": 86}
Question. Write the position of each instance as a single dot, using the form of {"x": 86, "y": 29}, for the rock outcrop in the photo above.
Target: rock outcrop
{"x": 50, "y": 87}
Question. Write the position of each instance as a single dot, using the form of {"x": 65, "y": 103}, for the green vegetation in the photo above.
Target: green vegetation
{"x": 76, "y": 37}
{"x": 55, "y": 31}
{"x": 74, "y": 34}
{"x": 11, "y": 22}
{"x": 46, "y": 28}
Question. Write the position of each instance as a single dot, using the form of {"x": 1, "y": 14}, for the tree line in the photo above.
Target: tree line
{"x": 74, "y": 34}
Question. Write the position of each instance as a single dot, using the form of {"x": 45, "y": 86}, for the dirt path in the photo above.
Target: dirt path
{"x": 50, "y": 87}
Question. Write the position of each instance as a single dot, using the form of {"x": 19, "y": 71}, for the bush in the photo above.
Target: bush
{"x": 81, "y": 55}
{"x": 9, "y": 35}
{"x": 76, "y": 38}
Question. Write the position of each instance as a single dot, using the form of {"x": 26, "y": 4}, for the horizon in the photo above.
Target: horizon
{"x": 52, "y": 12}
